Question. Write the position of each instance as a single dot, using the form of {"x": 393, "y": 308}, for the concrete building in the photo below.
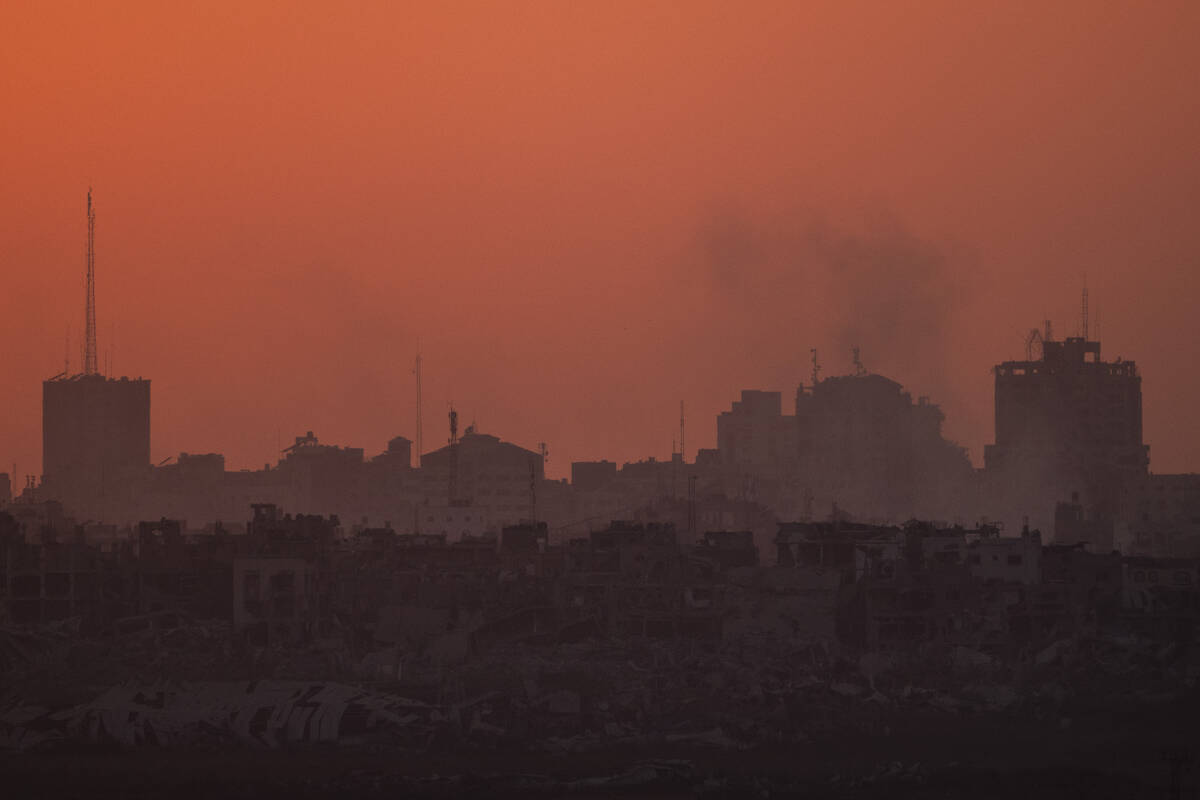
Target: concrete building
{"x": 864, "y": 444}
{"x": 590, "y": 476}
{"x": 1160, "y": 516}
{"x": 1067, "y": 423}
{"x": 486, "y": 472}
{"x": 1007, "y": 559}
{"x": 754, "y": 435}
{"x": 95, "y": 442}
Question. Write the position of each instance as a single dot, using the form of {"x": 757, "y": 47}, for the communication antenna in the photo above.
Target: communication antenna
{"x": 816, "y": 367}
{"x": 417, "y": 372}
{"x": 859, "y": 371}
{"x": 1033, "y": 339}
{"x": 1084, "y": 309}
{"x": 1049, "y": 334}
{"x": 67, "y": 354}
{"x": 682, "y": 446}
{"x": 453, "y": 455}
{"x": 89, "y": 353}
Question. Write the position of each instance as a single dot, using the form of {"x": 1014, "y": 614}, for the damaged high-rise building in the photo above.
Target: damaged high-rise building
{"x": 1068, "y": 425}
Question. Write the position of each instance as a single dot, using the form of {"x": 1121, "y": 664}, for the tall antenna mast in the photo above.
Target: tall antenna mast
{"x": 89, "y": 352}
{"x": 417, "y": 372}
{"x": 453, "y": 456}
{"x": 816, "y": 367}
{"x": 1084, "y": 309}
{"x": 682, "y": 446}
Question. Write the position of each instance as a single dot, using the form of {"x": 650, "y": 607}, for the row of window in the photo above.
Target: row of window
{"x": 1179, "y": 577}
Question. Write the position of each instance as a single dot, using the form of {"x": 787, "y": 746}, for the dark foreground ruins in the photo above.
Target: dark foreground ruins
{"x": 298, "y": 659}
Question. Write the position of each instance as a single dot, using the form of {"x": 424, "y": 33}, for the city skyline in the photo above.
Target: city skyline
{"x": 552, "y": 241}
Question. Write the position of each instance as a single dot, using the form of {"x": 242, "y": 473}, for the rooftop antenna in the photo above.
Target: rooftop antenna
{"x": 89, "y": 353}
{"x": 453, "y": 454}
{"x": 682, "y": 446}
{"x": 1033, "y": 339}
{"x": 417, "y": 372}
{"x": 816, "y": 367}
{"x": 859, "y": 371}
{"x": 1049, "y": 333}
{"x": 67, "y": 354}
{"x": 1084, "y": 309}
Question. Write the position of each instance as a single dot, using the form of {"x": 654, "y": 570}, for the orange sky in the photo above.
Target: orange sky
{"x": 589, "y": 211}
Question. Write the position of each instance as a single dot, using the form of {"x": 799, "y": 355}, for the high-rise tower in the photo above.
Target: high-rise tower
{"x": 1068, "y": 424}
{"x": 95, "y": 430}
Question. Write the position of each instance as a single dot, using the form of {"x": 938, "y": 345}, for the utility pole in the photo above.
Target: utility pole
{"x": 692, "y": 509}
{"x": 543, "y": 454}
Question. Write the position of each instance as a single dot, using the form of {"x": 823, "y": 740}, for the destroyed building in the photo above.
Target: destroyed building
{"x": 864, "y": 444}
{"x": 1068, "y": 423}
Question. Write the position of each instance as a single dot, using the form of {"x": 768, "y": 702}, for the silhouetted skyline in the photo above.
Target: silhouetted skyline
{"x": 588, "y": 214}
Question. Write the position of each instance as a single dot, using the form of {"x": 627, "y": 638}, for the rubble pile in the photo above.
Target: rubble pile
{"x": 267, "y": 714}
{"x": 164, "y": 685}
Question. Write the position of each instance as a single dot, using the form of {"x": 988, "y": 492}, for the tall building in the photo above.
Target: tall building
{"x": 865, "y": 445}
{"x": 482, "y": 471}
{"x": 754, "y": 434}
{"x": 1069, "y": 424}
{"x": 95, "y": 430}
{"x": 95, "y": 440}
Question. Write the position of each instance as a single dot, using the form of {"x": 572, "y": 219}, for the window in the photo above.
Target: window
{"x": 1182, "y": 578}
{"x": 1139, "y": 576}
{"x": 251, "y": 587}
{"x": 1014, "y": 561}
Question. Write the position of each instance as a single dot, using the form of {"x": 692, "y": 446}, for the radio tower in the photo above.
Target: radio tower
{"x": 1084, "y": 310}
{"x": 417, "y": 372}
{"x": 89, "y": 347}
{"x": 682, "y": 447}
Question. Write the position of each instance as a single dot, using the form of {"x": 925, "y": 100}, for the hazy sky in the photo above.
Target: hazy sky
{"x": 589, "y": 211}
